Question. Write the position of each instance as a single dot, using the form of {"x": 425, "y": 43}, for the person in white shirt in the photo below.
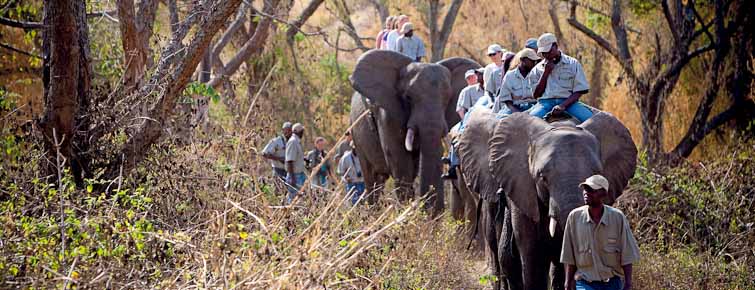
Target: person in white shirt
{"x": 410, "y": 44}
{"x": 351, "y": 170}
{"x": 519, "y": 84}
{"x": 381, "y": 41}
{"x": 394, "y": 34}
{"x": 275, "y": 151}
{"x": 295, "y": 165}
{"x": 562, "y": 82}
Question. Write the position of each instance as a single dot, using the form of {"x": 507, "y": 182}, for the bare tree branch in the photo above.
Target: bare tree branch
{"x": 20, "y": 23}
{"x": 16, "y": 50}
{"x": 303, "y": 17}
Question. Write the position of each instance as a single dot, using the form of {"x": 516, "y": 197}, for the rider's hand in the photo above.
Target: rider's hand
{"x": 558, "y": 109}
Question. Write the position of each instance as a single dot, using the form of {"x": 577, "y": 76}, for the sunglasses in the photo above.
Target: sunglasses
{"x": 589, "y": 189}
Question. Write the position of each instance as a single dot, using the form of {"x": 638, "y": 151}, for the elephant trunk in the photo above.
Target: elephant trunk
{"x": 430, "y": 168}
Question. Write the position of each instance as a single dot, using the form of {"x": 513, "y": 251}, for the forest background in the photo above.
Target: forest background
{"x": 82, "y": 151}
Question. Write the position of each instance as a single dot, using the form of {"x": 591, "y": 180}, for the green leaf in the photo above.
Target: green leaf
{"x": 90, "y": 188}
{"x": 299, "y": 37}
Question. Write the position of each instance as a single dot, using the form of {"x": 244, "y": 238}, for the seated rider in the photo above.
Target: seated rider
{"x": 519, "y": 84}
{"x": 561, "y": 82}
{"x": 468, "y": 97}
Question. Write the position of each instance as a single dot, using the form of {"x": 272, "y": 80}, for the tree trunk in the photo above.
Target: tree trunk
{"x": 68, "y": 81}
{"x": 596, "y": 79}
{"x": 439, "y": 35}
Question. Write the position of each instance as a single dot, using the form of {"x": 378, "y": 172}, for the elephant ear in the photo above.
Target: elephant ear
{"x": 377, "y": 74}
{"x": 617, "y": 151}
{"x": 474, "y": 153}
{"x": 457, "y": 66}
{"x": 510, "y": 160}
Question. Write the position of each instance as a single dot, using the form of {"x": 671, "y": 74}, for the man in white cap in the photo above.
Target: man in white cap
{"x": 519, "y": 85}
{"x": 469, "y": 95}
{"x": 295, "y": 165}
{"x": 351, "y": 170}
{"x": 598, "y": 248}
{"x": 275, "y": 151}
{"x": 493, "y": 71}
{"x": 394, "y": 34}
{"x": 561, "y": 82}
{"x": 409, "y": 44}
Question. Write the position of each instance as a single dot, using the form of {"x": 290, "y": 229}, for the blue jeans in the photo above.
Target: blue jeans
{"x": 322, "y": 180}
{"x": 612, "y": 284}
{"x": 299, "y": 179}
{"x": 522, "y": 107}
{"x": 577, "y": 110}
{"x": 280, "y": 173}
{"x": 355, "y": 189}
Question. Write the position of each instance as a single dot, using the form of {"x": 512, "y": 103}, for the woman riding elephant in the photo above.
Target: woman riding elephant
{"x": 410, "y": 108}
{"x": 539, "y": 167}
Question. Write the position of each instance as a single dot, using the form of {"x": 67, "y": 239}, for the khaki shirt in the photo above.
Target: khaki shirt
{"x": 411, "y": 47}
{"x": 493, "y": 75}
{"x": 295, "y": 153}
{"x": 566, "y": 78}
{"x": 350, "y": 168}
{"x": 276, "y": 147}
{"x": 598, "y": 251}
{"x": 518, "y": 88}
{"x": 469, "y": 96}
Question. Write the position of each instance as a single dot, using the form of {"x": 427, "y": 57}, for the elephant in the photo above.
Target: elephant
{"x": 538, "y": 167}
{"x": 410, "y": 107}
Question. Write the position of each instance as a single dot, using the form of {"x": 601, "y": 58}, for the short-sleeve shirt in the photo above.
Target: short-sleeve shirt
{"x": 314, "y": 158}
{"x": 295, "y": 153}
{"x": 598, "y": 251}
{"x": 469, "y": 96}
{"x": 341, "y": 149}
{"x": 277, "y": 148}
{"x": 350, "y": 167}
{"x": 392, "y": 40}
{"x": 566, "y": 78}
{"x": 492, "y": 76}
{"x": 411, "y": 47}
{"x": 518, "y": 88}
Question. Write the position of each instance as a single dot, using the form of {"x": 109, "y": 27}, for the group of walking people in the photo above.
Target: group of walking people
{"x": 398, "y": 35}
{"x": 291, "y": 164}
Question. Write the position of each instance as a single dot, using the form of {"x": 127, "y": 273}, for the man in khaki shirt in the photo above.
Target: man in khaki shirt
{"x": 598, "y": 249}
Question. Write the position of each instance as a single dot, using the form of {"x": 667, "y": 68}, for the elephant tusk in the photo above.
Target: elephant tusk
{"x": 409, "y": 139}
{"x": 552, "y": 227}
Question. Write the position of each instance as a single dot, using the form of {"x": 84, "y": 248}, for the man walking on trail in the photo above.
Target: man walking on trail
{"x": 295, "y": 167}
{"x": 351, "y": 170}
{"x": 275, "y": 151}
{"x": 598, "y": 249}
{"x": 342, "y": 147}
{"x": 314, "y": 158}
{"x": 394, "y": 34}
{"x": 409, "y": 44}
{"x": 561, "y": 82}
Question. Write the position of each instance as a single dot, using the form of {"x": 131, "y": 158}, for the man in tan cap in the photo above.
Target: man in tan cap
{"x": 598, "y": 248}
{"x": 409, "y": 44}
{"x": 561, "y": 82}
{"x": 519, "y": 84}
{"x": 295, "y": 165}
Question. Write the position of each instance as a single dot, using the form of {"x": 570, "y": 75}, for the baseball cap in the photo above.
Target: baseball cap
{"x": 528, "y": 53}
{"x": 298, "y": 127}
{"x": 545, "y": 42}
{"x": 531, "y": 43}
{"x": 469, "y": 73}
{"x": 407, "y": 26}
{"x": 287, "y": 125}
{"x": 596, "y": 182}
{"x": 494, "y": 48}
{"x": 480, "y": 70}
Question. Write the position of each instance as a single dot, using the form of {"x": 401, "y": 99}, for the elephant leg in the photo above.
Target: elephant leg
{"x": 372, "y": 184}
{"x": 489, "y": 210}
{"x": 456, "y": 200}
{"x": 511, "y": 268}
{"x": 529, "y": 237}
{"x": 557, "y": 272}
{"x": 402, "y": 163}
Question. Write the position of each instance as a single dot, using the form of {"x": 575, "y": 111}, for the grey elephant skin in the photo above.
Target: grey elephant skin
{"x": 538, "y": 167}
{"x": 410, "y": 107}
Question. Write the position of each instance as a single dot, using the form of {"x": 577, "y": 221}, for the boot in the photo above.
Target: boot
{"x": 451, "y": 173}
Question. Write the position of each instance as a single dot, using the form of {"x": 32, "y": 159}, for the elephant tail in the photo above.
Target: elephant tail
{"x": 476, "y": 223}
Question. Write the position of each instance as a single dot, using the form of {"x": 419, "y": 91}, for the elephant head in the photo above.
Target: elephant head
{"x": 540, "y": 166}
{"x": 417, "y": 97}
{"x": 474, "y": 153}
